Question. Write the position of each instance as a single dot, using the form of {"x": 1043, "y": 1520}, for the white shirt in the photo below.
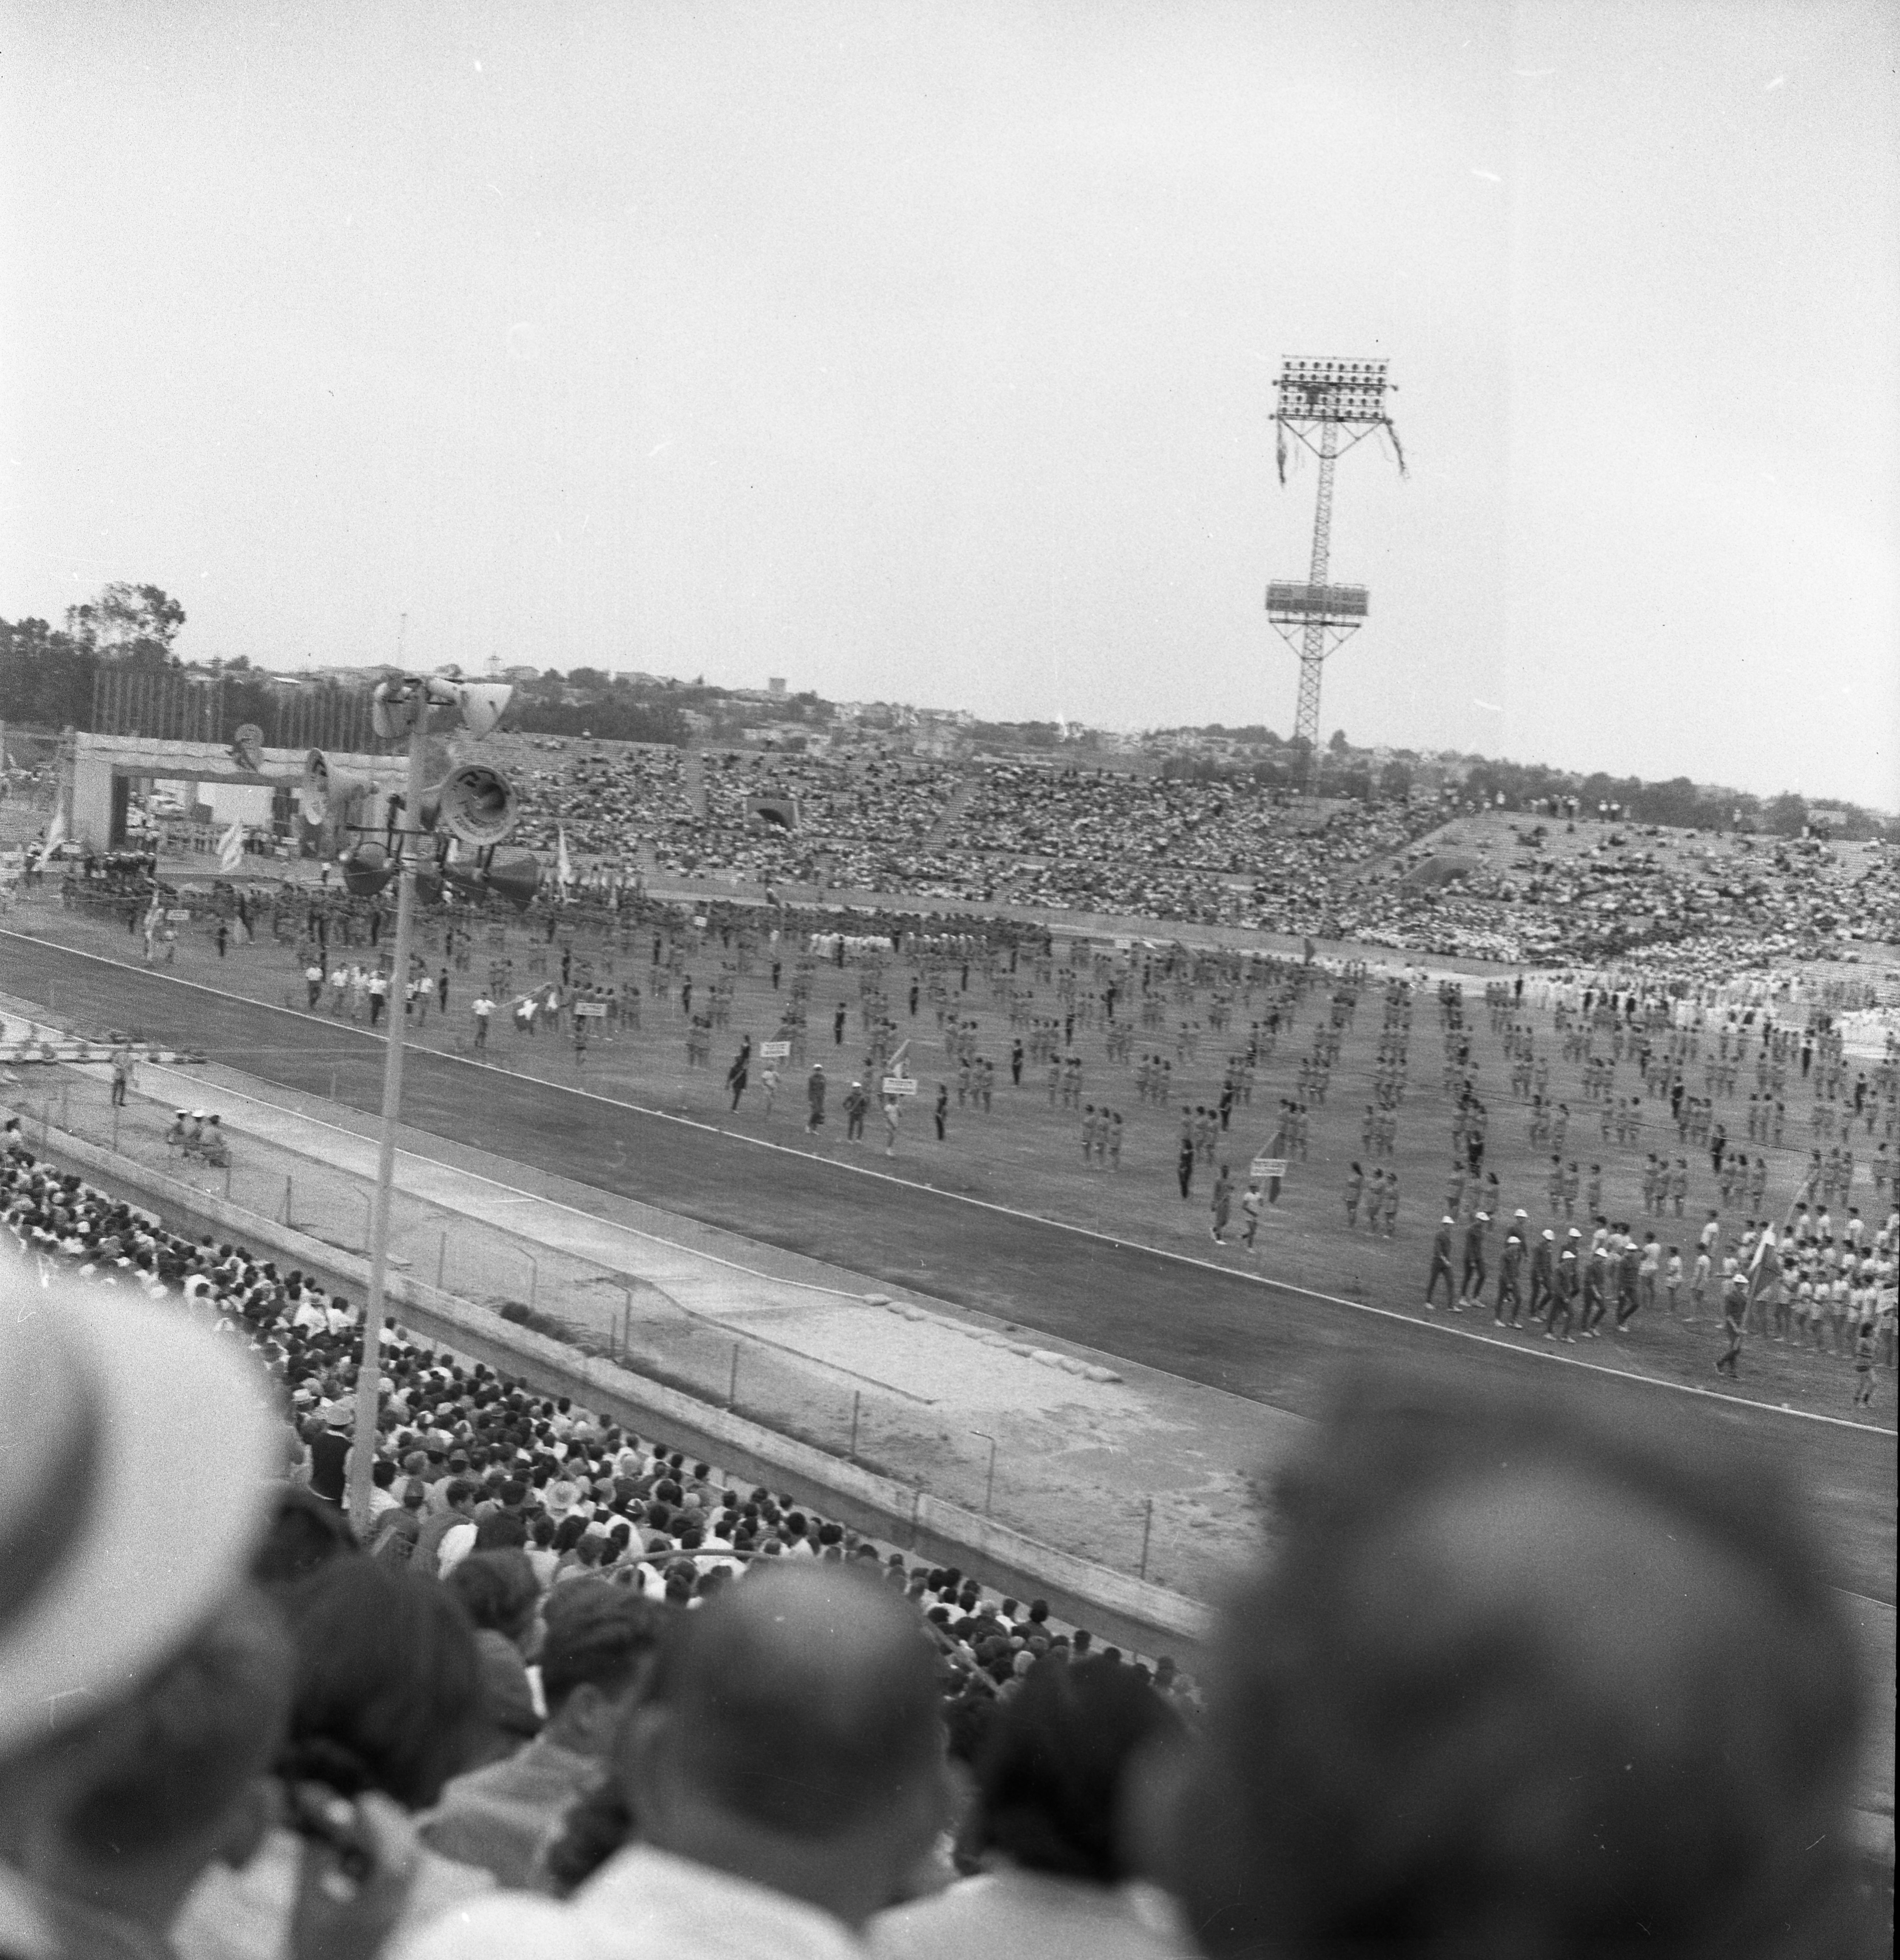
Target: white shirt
{"x": 643, "y": 1904}
{"x": 1030, "y": 1913}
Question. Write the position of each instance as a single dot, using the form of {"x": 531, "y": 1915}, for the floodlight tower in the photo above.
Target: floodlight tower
{"x": 1329, "y": 406}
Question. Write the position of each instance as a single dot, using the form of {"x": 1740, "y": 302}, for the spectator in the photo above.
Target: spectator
{"x": 787, "y": 1774}
{"x": 1602, "y": 1700}
{"x": 387, "y": 1700}
{"x": 1047, "y": 1827}
{"x": 499, "y": 1593}
{"x": 596, "y": 1652}
{"x": 140, "y": 1696}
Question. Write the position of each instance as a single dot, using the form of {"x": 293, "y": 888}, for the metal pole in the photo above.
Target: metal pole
{"x": 369, "y": 1217}
{"x": 441, "y": 1261}
{"x": 1148, "y": 1525}
{"x": 990, "y": 1479}
{"x": 856, "y": 1398}
{"x": 534, "y": 1280}
{"x": 731, "y": 1386}
{"x": 227, "y": 1177}
{"x": 626, "y": 1323}
{"x": 287, "y": 1201}
{"x": 369, "y": 1376}
{"x": 115, "y": 1129}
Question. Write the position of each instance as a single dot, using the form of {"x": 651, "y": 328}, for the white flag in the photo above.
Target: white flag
{"x": 56, "y": 832}
{"x": 230, "y": 848}
{"x": 564, "y": 865}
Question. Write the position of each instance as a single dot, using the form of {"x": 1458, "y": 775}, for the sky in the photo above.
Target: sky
{"x": 925, "y": 352}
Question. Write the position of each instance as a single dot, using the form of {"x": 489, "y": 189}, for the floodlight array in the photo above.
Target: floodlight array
{"x": 1318, "y": 390}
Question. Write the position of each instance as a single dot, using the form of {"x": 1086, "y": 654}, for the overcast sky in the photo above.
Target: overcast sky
{"x": 924, "y": 352}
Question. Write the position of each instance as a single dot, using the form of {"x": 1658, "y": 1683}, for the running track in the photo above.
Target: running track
{"x": 1275, "y": 1345}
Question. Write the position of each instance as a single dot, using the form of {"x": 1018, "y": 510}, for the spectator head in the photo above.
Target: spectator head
{"x": 596, "y": 1655}
{"x": 1050, "y": 1778}
{"x": 125, "y": 1809}
{"x": 302, "y": 1533}
{"x": 498, "y": 1592}
{"x": 792, "y": 1737}
{"x": 1609, "y": 1702}
{"x": 389, "y": 1689}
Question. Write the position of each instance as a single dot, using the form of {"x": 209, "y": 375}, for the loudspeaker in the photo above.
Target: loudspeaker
{"x": 327, "y": 793}
{"x": 472, "y": 802}
{"x": 367, "y": 868}
{"x": 514, "y": 875}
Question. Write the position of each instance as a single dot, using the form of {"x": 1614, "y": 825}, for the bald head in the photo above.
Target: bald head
{"x": 801, "y": 1700}
{"x": 1518, "y": 1682}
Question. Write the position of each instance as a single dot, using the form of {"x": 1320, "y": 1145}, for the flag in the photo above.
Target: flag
{"x": 230, "y": 848}
{"x": 563, "y": 864}
{"x": 56, "y": 832}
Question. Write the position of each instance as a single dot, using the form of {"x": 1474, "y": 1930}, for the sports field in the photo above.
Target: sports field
{"x": 1004, "y": 1217}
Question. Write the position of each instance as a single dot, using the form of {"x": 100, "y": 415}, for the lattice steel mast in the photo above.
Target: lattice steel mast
{"x": 1329, "y": 405}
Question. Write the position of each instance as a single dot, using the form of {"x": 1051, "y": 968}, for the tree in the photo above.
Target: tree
{"x": 1338, "y": 744}
{"x": 1785, "y": 815}
{"x": 46, "y": 678}
{"x": 135, "y": 622}
{"x": 1395, "y": 781}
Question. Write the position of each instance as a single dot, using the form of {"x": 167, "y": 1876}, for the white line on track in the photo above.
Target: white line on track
{"x": 982, "y": 1203}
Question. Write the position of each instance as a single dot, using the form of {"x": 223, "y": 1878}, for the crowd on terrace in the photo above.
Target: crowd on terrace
{"x": 1226, "y": 853}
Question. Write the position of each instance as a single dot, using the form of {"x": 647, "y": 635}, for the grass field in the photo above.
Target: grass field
{"x": 1026, "y": 1154}
{"x": 904, "y": 1218}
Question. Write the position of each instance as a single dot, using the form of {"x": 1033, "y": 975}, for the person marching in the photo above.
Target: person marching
{"x": 1542, "y": 1271}
{"x": 1471, "y": 1289}
{"x": 1220, "y": 1203}
{"x": 1510, "y": 1265}
{"x": 1563, "y": 1295}
{"x": 1441, "y": 1266}
{"x": 1250, "y": 1213}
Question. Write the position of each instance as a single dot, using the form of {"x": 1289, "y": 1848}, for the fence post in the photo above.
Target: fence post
{"x": 534, "y": 1281}
{"x": 626, "y": 1323}
{"x": 731, "y": 1386}
{"x": 287, "y": 1201}
{"x": 227, "y": 1177}
{"x": 857, "y": 1397}
{"x": 1148, "y": 1525}
{"x": 441, "y": 1261}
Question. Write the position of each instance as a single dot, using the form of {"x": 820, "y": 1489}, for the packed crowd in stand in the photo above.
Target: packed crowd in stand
{"x": 235, "y": 1721}
{"x": 1230, "y": 854}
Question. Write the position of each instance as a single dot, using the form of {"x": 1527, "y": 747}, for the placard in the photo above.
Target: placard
{"x": 178, "y": 912}
{"x": 591, "y": 1010}
{"x": 774, "y": 1051}
{"x": 899, "y": 1085}
{"x": 1267, "y": 1167}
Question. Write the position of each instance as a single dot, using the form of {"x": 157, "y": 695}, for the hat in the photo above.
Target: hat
{"x": 103, "y": 1578}
{"x": 1549, "y": 1233}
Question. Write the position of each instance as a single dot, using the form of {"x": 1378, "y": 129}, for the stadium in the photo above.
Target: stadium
{"x": 655, "y": 1314}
